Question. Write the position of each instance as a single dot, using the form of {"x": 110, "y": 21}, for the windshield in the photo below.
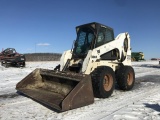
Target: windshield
{"x": 83, "y": 42}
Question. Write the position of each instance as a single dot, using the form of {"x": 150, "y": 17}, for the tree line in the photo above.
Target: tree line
{"x": 42, "y": 56}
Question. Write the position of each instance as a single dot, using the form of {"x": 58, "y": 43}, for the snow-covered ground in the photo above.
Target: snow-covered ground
{"x": 141, "y": 103}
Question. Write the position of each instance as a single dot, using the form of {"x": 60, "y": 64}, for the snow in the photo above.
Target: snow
{"x": 143, "y": 102}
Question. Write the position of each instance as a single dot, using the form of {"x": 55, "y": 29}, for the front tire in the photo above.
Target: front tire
{"x": 6, "y": 65}
{"x": 125, "y": 77}
{"x": 103, "y": 81}
{"x": 2, "y": 64}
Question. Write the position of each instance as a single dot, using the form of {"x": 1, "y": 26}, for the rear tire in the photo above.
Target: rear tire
{"x": 24, "y": 64}
{"x": 125, "y": 78}
{"x": 103, "y": 81}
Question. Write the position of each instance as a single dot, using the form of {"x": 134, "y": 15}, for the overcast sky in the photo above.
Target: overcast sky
{"x": 49, "y": 25}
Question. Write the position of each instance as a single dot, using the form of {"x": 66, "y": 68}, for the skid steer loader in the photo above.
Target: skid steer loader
{"x": 90, "y": 69}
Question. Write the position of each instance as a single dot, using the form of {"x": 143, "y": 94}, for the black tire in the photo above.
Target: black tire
{"x": 6, "y": 65}
{"x": 24, "y": 64}
{"x": 125, "y": 77}
{"x": 103, "y": 81}
{"x": 1, "y": 63}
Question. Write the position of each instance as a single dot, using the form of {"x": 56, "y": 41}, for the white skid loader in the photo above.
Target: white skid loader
{"x": 91, "y": 69}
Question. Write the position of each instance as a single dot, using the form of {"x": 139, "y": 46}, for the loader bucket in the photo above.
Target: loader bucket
{"x": 59, "y": 90}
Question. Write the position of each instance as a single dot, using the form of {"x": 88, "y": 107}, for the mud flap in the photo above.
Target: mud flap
{"x": 59, "y": 90}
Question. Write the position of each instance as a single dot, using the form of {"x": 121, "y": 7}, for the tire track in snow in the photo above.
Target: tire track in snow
{"x": 135, "y": 109}
{"x": 12, "y": 95}
{"x": 145, "y": 71}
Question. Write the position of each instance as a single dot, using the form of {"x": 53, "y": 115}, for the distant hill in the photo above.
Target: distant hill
{"x": 42, "y": 56}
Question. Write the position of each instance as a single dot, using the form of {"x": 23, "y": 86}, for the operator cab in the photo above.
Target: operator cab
{"x": 90, "y": 36}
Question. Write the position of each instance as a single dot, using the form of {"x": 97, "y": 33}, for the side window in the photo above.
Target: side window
{"x": 101, "y": 37}
{"x": 90, "y": 37}
{"x": 105, "y": 35}
{"x": 108, "y": 35}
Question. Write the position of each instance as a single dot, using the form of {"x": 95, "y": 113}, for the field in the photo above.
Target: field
{"x": 143, "y": 102}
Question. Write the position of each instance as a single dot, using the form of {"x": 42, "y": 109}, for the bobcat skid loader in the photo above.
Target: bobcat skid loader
{"x": 91, "y": 69}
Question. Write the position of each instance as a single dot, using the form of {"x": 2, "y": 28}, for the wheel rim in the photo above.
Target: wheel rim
{"x": 107, "y": 82}
{"x": 130, "y": 78}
